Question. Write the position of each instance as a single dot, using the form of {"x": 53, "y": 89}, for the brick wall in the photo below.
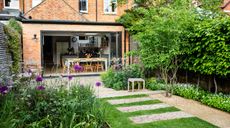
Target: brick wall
{"x": 69, "y": 10}
{"x": 1, "y": 5}
{"x": 32, "y": 48}
{"x": 54, "y": 10}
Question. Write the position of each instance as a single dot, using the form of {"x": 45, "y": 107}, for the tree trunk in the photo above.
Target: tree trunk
{"x": 198, "y": 82}
{"x": 209, "y": 84}
{"x": 215, "y": 83}
{"x": 186, "y": 75}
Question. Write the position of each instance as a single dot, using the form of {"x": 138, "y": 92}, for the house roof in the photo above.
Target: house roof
{"x": 225, "y": 5}
{"x": 7, "y": 14}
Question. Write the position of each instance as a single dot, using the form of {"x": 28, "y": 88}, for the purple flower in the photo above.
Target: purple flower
{"x": 39, "y": 78}
{"x": 98, "y": 84}
{"x": 30, "y": 71}
{"x": 4, "y": 90}
{"x": 70, "y": 77}
{"x": 40, "y": 88}
{"x": 77, "y": 67}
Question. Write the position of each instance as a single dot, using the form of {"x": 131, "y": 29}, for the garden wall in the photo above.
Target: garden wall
{"x": 206, "y": 82}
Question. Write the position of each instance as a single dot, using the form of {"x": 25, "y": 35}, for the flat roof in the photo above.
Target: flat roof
{"x": 28, "y": 21}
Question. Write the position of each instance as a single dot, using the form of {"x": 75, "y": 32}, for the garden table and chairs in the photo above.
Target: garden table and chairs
{"x": 72, "y": 61}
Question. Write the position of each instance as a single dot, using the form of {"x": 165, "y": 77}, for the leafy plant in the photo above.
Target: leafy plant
{"x": 12, "y": 31}
{"x": 118, "y": 79}
{"x": 154, "y": 84}
{"x": 219, "y": 101}
{"x": 30, "y": 106}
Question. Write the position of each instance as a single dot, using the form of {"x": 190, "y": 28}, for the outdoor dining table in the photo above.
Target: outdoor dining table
{"x": 69, "y": 61}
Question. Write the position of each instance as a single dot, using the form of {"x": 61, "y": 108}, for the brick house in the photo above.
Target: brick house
{"x": 58, "y": 30}
{"x": 226, "y": 6}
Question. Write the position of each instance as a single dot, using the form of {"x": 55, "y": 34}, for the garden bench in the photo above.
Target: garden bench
{"x": 138, "y": 80}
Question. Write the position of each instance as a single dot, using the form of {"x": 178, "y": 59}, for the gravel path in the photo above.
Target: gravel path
{"x": 212, "y": 115}
{"x": 159, "y": 117}
{"x": 129, "y": 100}
{"x": 143, "y": 107}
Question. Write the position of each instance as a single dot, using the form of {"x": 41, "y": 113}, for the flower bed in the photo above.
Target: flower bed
{"x": 219, "y": 101}
{"x": 37, "y": 103}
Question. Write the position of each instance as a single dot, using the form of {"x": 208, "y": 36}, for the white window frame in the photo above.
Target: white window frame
{"x": 36, "y": 3}
{"x": 110, "y": 7}
{"x": 11, "y": 7}
{"x": 83, "y": 11}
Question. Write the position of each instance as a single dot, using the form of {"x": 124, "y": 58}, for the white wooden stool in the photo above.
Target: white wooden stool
{"x": 133, "y": 80}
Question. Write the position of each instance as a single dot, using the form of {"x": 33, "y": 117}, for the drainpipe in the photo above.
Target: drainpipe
{"x": 23, "y": 6}
{"x": 96, "y": 11}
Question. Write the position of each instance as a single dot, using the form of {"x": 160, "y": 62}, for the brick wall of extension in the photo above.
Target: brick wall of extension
{"x": 1, "y": 5}
{"x": 32, "y": 48}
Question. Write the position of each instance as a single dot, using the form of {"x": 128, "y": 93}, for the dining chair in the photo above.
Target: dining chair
{"x": 88, "y": 66}
{"x": 64, "y": 67}
{"x": 99, "y": 65}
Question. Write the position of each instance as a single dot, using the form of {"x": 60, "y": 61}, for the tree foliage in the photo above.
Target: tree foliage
{"x": 208, "y": 51}
{"x": 160, "y": 31}
{"x": 176, "y": 33}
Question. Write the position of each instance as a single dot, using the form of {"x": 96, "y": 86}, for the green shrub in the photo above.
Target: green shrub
{"x": 154, "y": 84}
{"x": 107, "y": 78}
{"x": 119, "y": 79}
{"x": 219, "y": 101}
{"x": 189, "y": 91}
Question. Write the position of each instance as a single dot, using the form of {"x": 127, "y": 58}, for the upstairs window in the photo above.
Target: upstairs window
{"x": 13, "y": 4}
{"x": 83, "y": 5}
{"x": 110, "y": 6}
{"x": 36, "y": 2}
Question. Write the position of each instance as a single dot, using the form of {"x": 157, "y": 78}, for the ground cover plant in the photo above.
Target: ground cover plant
{"x": 117, "y": 119}
{"x": 42, "y": 103}
{"x": 219, "y": 101}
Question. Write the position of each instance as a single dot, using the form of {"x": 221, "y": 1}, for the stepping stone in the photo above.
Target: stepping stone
{"x": 129, "y": 100}
{"x": 160, "y": 117}
{"x": 143, "y": 107}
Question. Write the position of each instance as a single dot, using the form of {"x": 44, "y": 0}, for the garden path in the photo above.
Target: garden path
{"x": 214, "y": 116}
{"x": 147, "y": 118}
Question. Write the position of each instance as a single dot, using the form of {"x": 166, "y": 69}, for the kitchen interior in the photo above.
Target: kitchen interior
{"x": 94, "y": 52}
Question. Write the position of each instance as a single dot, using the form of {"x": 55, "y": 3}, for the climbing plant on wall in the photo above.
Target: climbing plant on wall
{"x": 12, "y": 31}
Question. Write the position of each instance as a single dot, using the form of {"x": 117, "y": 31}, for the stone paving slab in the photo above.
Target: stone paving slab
{"x": 108, "y": 93}
{"x": 143, "y": 107}
{"x": 129, "y": 100}
{"x": 160, "y": 117}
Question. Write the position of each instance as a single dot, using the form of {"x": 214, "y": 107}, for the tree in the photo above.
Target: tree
{"x": 208, "y": 50}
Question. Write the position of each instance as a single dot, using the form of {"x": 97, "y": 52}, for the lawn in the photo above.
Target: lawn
{"x": 117, "y": 119}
